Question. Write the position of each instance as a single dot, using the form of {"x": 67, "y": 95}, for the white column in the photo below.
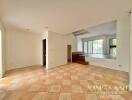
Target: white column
{"x": 1, "y": 65}
{"x": 130, "y": 71}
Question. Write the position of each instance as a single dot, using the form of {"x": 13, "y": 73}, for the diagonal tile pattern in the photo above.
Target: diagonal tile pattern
{"x": 68, "y": 82}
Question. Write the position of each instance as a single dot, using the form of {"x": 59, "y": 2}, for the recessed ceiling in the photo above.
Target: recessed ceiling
{"x": 105, "y": 28}
{"x": 61, "y": 16}
{"x": 108, "y": 28}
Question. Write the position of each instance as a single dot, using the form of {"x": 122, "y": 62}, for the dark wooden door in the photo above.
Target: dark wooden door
{"x": 44, "y": 52}
{"x": 69, "y": 53}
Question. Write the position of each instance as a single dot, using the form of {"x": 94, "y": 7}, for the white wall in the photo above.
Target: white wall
{"x": 71, "y": 40}
{"x": 2, "y": 51}
{"x": 24, "y": 49}
{"x": 57, "y": 49}
{"x": 123, "y": 44}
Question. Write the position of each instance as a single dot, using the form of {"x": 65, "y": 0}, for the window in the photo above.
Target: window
{"x": 98, "y": 46}
{"x": 85, "y": 47}
{"x": 93, "y": 47}
{"x": 90, "y": 47}
{"x": 113, "y": 44}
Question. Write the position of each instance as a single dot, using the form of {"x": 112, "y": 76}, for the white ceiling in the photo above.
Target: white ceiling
{"x": 61, "y": 16}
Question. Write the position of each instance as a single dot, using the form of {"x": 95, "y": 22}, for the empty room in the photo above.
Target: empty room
{"x": 65, "y": 50}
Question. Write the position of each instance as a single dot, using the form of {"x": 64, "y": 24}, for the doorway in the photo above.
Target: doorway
{"x": 69, "y": 53}
{"x": 44, "y": 52}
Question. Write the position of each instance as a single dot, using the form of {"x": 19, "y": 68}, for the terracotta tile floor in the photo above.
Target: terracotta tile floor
{"x": 68, "y": 82}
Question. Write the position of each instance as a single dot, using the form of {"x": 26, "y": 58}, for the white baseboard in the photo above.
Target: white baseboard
{"x": 114, "y": 68}
{"x": 107, "y": 63}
